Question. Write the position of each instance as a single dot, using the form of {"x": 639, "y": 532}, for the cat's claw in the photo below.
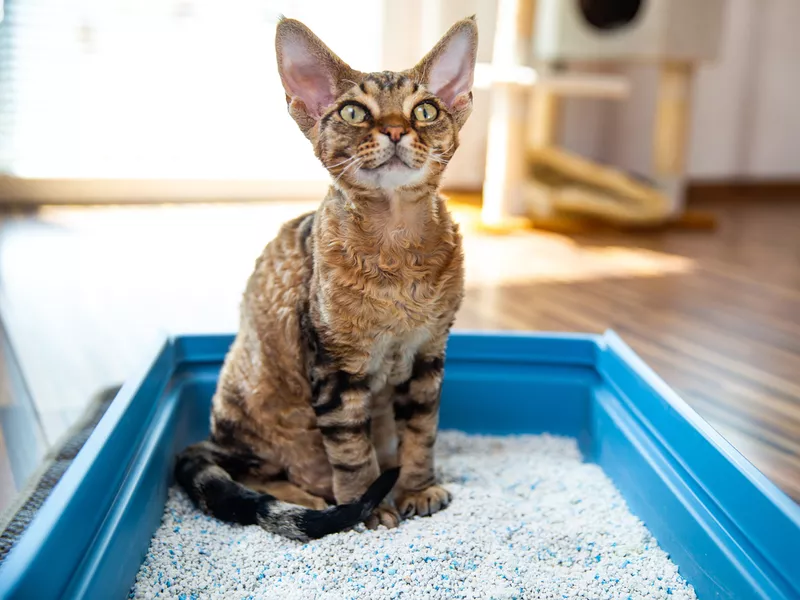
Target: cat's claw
{"x": 384, "y": 514}
{"x": 424, "y": 502}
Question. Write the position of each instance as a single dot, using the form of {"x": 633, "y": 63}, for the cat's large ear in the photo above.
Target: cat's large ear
{"x": 448, "y": 70}
{"x": 311, "y": 73}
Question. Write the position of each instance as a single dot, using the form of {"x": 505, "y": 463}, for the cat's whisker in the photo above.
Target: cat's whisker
{"x": 358, "y": 166}
{"x": 356, "y": 163}
{"x": 345, "y": 161}
{"x": 438, "y": 158}
{"x": 440, "y": 155}
{"x": 335, "y": 181}
{"x": 347, "y": 164}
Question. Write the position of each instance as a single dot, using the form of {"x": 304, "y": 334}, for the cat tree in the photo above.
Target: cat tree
{"x": 535, "y": 44}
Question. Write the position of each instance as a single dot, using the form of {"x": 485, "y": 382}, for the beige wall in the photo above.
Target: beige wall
{"x": 745, "y": 123}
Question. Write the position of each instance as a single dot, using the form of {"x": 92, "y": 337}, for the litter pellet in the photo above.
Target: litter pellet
{"x": 529, "y": 519}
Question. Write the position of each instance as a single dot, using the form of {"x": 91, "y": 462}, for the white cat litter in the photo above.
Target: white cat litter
{"x": 529, "y": 519}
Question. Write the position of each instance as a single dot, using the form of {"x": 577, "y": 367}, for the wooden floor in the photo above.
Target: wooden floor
{"x": 87, "y": 294}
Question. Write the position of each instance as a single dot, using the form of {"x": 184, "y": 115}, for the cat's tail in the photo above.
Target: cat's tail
{"x": 211, "y": 487}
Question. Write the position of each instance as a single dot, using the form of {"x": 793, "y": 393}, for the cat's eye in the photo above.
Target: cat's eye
{"x": 353, "y": 113}
{"x": 425, "y": 112}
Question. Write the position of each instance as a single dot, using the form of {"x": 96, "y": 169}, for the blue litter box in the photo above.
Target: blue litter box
{"x": 731, "y": 532}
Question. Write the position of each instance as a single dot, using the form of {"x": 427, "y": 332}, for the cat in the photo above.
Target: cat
{"x": 326, "y": 410}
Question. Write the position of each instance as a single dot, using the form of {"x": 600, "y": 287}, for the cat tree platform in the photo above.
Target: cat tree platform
{"x": 533, "y": 42}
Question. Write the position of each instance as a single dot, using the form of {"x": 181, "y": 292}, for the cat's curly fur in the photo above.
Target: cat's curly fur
{"x": 335, "y": 374}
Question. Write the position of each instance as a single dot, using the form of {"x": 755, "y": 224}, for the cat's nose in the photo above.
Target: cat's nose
{"x": 395, "y": 132}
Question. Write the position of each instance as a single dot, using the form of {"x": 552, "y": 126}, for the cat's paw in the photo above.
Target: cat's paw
{"x": 314, "y": 502}
{"x": 386, "y": 515}
{"x": 424, "y": 502}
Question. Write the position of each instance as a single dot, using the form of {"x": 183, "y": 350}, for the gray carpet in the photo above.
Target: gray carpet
{"x": 15, "y": 520}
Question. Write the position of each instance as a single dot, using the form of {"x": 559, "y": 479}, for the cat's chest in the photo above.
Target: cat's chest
{"x": 391, "y": 357}
{"x": 405, "y": 293}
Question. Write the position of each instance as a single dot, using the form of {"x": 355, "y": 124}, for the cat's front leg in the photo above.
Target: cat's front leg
{"x": 343, "y": 418}
{"x": 417, "y": 416}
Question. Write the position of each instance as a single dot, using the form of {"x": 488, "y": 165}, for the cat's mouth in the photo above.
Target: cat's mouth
{"x": 395, "y": 163}
{"x": 392, "y": 173}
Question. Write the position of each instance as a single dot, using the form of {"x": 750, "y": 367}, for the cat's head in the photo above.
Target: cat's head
{"x": 383, "y": 130}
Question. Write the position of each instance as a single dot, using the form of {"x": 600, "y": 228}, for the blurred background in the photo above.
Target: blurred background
{"x": 188, "y": 90}
{"x": 629, "y": 164}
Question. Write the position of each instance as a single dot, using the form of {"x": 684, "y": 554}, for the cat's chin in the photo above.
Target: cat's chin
{"x": 392, "y": 174}
{"x": 394, "y": 163}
